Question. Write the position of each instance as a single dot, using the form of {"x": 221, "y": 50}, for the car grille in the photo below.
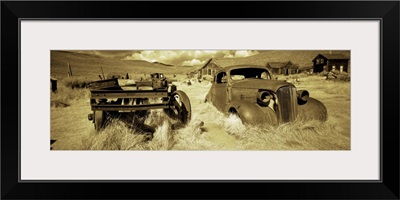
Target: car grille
{"x": 287, "y": 98}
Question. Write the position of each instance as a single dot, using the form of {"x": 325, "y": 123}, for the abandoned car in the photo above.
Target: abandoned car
{"x": 256, "y": 97}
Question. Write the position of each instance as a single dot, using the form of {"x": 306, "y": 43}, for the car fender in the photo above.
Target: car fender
{"x": 313, "y": 109}
{"x": 251, "y": 113}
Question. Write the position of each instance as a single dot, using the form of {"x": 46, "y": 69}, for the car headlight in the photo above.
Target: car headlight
{"x": 303, "y": 95}
{"x": 264, "y": 97}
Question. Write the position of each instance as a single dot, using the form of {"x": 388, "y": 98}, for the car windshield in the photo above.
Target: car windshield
{"x": 249, "y": 73}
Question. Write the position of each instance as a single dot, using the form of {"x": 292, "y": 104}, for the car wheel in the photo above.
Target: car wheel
{"x": 180, "y": 107}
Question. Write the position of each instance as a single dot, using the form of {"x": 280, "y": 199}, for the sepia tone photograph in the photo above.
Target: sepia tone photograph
{"x": 200, "y": 100}
{"x": 152, "y": 99}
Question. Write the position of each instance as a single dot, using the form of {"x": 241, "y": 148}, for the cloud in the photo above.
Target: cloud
{"x": 189, "y": 57}
{"x": 193, "y": 62}
{"x": 240, "y": 54}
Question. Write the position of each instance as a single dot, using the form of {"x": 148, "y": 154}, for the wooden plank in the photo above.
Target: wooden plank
{"x": 104, "y": 83}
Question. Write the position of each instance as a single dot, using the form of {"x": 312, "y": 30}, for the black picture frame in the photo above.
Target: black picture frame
{"x": 386, "y": 11}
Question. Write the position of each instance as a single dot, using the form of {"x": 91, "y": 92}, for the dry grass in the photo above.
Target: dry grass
{"x": 72, "y": 130}
{"x": 219, "y": 132}
{"x": 66, "y": 96}
{"x": 70, "y": 90}
{"x": 76, "y": 82}
{"x": 311, "y": 135}
{"x": 118, "y": 136}
{"x": 115, "y": 137}
{"x": 333, "y": 87}
{"x": 321, "y": 85}
{"x": 298, "y": 135}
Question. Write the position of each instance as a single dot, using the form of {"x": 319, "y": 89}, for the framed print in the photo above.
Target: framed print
{"x": 302, "y": 100}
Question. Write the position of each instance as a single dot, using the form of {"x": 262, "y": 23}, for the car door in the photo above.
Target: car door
{"x": 220, "y": 91}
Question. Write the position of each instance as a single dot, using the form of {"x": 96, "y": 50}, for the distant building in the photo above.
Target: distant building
{"x": 210, "y": 67}
{"x": 329, "y": 62}
{"x": 306, "y": 69}
{"x": 285, "y": 68}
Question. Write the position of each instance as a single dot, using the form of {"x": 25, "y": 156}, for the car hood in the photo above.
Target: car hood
{"x": 273, "y": 85}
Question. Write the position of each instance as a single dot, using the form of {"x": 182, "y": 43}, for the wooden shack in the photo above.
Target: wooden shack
{"x": 285, "y": 68}
{"x": 210, "y": 67}
{"x": 331, "y": 62}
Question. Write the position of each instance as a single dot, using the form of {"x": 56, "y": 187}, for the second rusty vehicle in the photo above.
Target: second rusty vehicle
{"x": 132, "y": 102}
{"x": 251, "y": 93}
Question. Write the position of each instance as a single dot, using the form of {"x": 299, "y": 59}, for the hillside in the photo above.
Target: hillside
{"x": 87, "y": 65}
{"x": 301, "y": 57}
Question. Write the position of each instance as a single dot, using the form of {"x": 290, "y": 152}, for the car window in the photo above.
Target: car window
{"x": 265, "y": 75}
{"x": 237, "y": 77}
{"x": 220, "y": 77}
{"x": 250, "y": 73}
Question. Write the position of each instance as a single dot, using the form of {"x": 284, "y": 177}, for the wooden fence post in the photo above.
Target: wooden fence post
{"x": 69, "y": 70}
{"x": 102, "y": 72}
{"x": 53, "y": 84}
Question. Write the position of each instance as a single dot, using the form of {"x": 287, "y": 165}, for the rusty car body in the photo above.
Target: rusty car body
{"x": 252, "y": 93}
{"x": 110, "y": 100}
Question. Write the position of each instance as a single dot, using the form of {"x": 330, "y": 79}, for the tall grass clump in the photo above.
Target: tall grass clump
{"x": 185, "y": 137}
{"x": 333, "y": 87}
{"x": 67, "y": 93}
{"x": 297, "y": 135}
{"x": 79, "y": 82}
{"x": 118, "y": 136}
{"x": 193, "y": 137}
{"x": 114, "y": 137}
{"x": 320, "y": 84}
{"x": 163, "y": 138}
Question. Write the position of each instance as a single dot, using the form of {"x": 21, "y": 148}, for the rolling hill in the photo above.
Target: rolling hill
{"x": 88, "y": 65}
{"x": 302, "y": 57}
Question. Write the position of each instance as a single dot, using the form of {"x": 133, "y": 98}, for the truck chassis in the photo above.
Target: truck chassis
{"x": 109, "y": 100}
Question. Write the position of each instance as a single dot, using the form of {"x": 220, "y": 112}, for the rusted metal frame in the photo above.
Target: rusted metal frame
{"x": 139, "y": 84}
{"x": 109, "y": 83}
{"x": 114, "y": 107}
{"x": 101, "y": 94}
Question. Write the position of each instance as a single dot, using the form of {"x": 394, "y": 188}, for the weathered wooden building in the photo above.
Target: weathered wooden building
{"x": 329, "y": 62}
{"x": 285, "y": 68}
{"x": 308, "y": 69}
{"x": 210, "y": 67}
